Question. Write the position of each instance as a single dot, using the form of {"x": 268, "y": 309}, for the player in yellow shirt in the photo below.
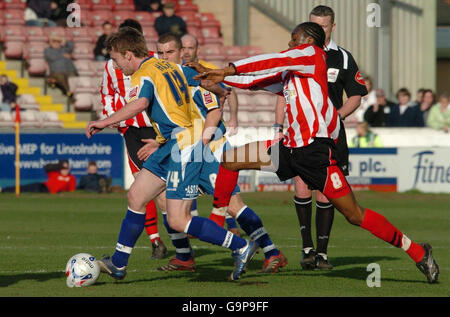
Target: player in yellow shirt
{"x": 161, "y": 88}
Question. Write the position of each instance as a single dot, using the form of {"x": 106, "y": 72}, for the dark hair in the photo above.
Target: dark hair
{"x": 63, "y": 162}
{"x": 314, "y": 30}
{"x": 169, "y": 37}
{"x": 323, "y": 11}
{"x": 128, "y": 39}
{"x": 403, "y": 91}
{"x": 432, "y": 94}
{"x": 106, "y": 23}
{"x": 92, "y": 163}
{"x": 132, "y": 24}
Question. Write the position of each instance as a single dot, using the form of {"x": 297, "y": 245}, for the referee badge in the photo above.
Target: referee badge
{"x": 359, "y": 78}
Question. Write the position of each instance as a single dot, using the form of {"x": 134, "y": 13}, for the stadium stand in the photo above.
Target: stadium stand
{"x": 27, "y": 44}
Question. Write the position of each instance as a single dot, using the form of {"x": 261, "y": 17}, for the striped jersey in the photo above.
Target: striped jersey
{"x": 113, "y": 90}
{"x": 300, "y": 75}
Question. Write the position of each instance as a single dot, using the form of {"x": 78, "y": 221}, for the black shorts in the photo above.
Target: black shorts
{"x": 316, "y": 164}
{"x": 342, "y": 154}
{"x": 133, "y": 137}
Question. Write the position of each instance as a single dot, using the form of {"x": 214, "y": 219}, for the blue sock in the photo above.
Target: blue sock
{"x": 180, "y": 241}
{"x": 132, "y": 226}
{"x": 253, "y": 227}
{"x": 208, "y": 231}
{"x": 231, "y": 223}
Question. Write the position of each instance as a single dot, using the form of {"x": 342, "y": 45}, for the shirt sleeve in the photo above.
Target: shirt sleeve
{"x": 269, "y": 82}
{"x": 146, "y": 91}
{"x": 107, "y": 92}
{"x": 354, "y": 84}
{"x": 189, "y": 73}
{"x": 301, "y": 59}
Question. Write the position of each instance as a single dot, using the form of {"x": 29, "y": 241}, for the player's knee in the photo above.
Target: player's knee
{"x": 176, "y": 223}
{"x": 134, "y": 201}
{"x": 236, "y": 204}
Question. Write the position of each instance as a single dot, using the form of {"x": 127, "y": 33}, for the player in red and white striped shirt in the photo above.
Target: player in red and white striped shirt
{"x": 136, "y": 131}
{"x": 308, "y": 149}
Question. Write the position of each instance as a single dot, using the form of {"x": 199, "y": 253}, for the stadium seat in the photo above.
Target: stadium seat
{"x": 14, "y": 33}
{"x": 85, "y": 5}
{"x": 150, "y": 33}
{"x": 34, "y": 50}
{"x": 14, "y": 4}
{"x": 124, "y": 5}
{"x": 55, "y": 31}
{"x": 264, "y": 118}
{"x": 37, "y": 67}
{"x": 192, "y": 19}
{"x": 99, "y": 67}
{"x": 82, "y": 85}
{"x": 85, "y": 68}
{"x": 28, "y": 102}
{"x": 119, "y": 16}
{"x": 208, "y": 20}
{"x": 234, "y": 53}
{"x": 14, "y": 49}
{"x": 7, "y": 119}
{"x": 146, "y": 19}
{"x": 30, "y": 119}
{"x": 102, "y": 5}
{"x": 185, "y": 6}
{"x": 50, "y": 119}
{"x": 212, "y": 52}
{"x": 13, "y": 17}
{"x": 83, "y": 102}
{"x": 79, "y": 35}
{"x": 83, "y": 51}
{"x": 197, "y": 33}
{"x": 251, "y": 50}
{"x": 35, "y": 34}
{"x": 99, "y": 17}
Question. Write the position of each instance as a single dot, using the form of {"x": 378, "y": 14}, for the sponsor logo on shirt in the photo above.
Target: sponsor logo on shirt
{"x": 207, "y": 97}
{"x": 332, "y": 75}
{"x": 133, "y": 92}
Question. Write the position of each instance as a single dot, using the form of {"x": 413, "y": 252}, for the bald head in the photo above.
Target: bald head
{"x": 190, "y": 47}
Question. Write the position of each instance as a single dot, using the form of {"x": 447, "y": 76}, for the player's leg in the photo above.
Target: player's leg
{"x": 252, "y": 224}
{"x": 145, "y": 188}
{"x": 378, "y": 225}
{"x": 324, "y": 222}
{"x": 303, "y": 207}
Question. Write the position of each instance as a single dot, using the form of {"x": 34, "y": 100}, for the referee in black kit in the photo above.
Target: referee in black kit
{"x": 343, "y": 75}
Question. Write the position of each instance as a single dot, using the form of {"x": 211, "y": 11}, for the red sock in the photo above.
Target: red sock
{"x": 380, "y": 227}
{"x": 218, "y": 216}
{"x": 151, "y": 221}
{"x": 225, "y": 183}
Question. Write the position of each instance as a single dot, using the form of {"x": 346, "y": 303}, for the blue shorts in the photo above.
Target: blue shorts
{"x": 180, "y": 169}
{"x": 210, "y": 168}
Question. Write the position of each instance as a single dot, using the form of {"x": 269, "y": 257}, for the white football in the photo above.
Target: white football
{"x": 82, "y": 270}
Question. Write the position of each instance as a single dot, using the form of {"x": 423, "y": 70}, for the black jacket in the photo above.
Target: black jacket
{"x": 9, "y": 92}
{"x": 174, "y": 25}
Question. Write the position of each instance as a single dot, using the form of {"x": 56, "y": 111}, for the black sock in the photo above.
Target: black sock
{"x": 304, "y": 211}
{"x": 324, "y": 222}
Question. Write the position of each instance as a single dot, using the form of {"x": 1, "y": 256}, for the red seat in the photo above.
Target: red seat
{"x": 124, "y": 5}
{"x": 14, "y": 33}
{"x": 210, "y": 32}
{"x": 14, "y": 16}
{"x": 234, "y": 53}
{"x": 150, "y": 33}
{"x": 119, "y": 16}
{"x": 14, "y": 49}
{"x": 101, "y": 4}
{"x": 197, "y": 33}
{"x": 184, "y": 6}
{"x": 208, "y": 20}
{"x": 144, "y": 18}
{"x": 100, "y": 17}
{"x": 85, "y": 68}
{"x": 14, "y": 4}
{"x": 213, "y": 51}
{"x": 55, "y": 31}
{"x": 83, "y": 51}
{"x": 191, "y": 18}
{"x": 35, "y": 34}
{"x": 77, "y": 35}
{"x": 251, "y": 50}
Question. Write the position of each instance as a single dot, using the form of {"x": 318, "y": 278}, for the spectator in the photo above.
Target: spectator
{"x": 405, "y": 113}
{"x": 93, "y": 181}
{"x": 60, "y": 63}
{"x": 366, "y": 101}
{"x": 59, "y": 11}
{"x": 419, "y": 96}
{"x": 8, "y": 92}
{"x": 428, "y": 100}
{"x": 169, "y": 22}
{"x": 59, "y": 180}
{"x": 439, "y": 117}
{"x": 364, "y": 137}
{"x": 38, "y": 13}
{"x": 148, "y": 5}
{"x": 100, "y": 47}
{"x": 377, "y": 113}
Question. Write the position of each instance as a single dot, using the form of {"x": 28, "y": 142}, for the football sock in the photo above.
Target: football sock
{"x": 208, "y": 231}
{"x": 304, "y": 211}
{"x": 218, "y": 215}
{"x": 253, "y": 227}
{"x": 231, "y": 222}
{"x": 132, "y": 227}
{"x": 194, "y": 211}
{"x": 324, "y": 221}
{"x": 222, "y": 193}
{"x": 380, "y": 227}
{"x": 179, "y": 240}
{"x": 151, "y": 221}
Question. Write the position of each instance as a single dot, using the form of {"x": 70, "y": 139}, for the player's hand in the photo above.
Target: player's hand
{"x": 198, "y": 67}
{"x": 150, "y": 146}
{"x": 95, "y": 127}
{"x": 223, "y": 97}
{"x": 232, "y": 127}
{"x": 215, "y": 75}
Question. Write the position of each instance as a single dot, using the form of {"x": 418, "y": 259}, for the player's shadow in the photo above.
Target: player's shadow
{"x": 7, "y": 280}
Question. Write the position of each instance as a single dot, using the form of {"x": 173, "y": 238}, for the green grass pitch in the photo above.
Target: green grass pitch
{"x": 39, "y": 233}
